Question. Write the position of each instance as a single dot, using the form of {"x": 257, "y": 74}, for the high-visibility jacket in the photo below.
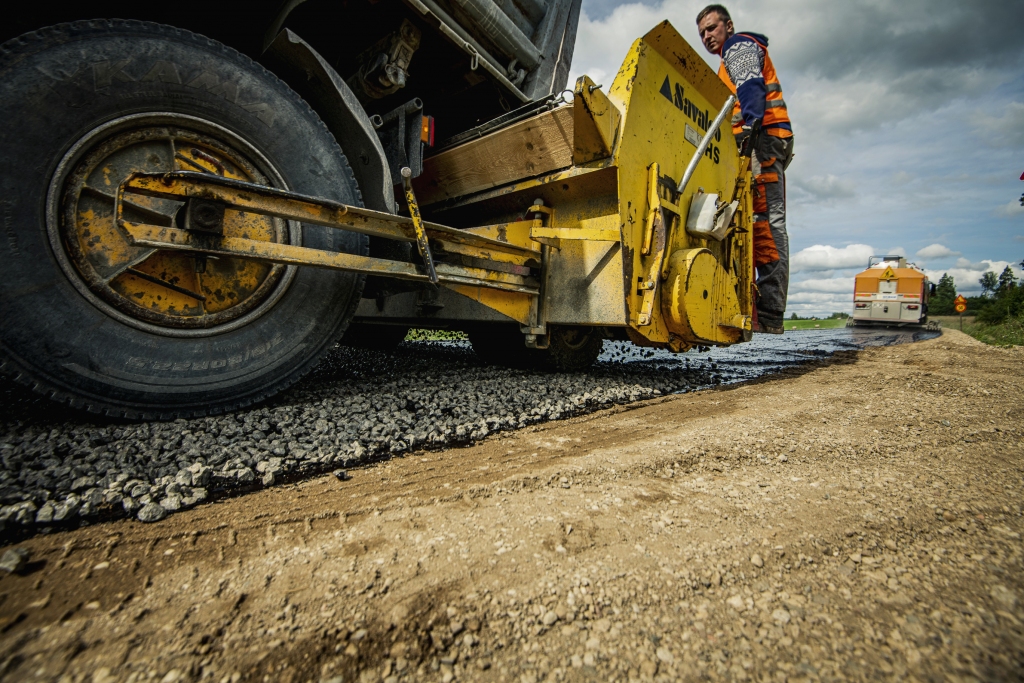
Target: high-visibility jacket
{"x": 759, "y": 93}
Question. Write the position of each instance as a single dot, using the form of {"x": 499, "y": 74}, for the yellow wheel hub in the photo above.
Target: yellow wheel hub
{"x": 173, "y": 290}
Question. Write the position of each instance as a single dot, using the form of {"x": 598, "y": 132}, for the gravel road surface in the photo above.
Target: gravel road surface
{"x": 58, "y": 468}
{"x": 853, "y": 520}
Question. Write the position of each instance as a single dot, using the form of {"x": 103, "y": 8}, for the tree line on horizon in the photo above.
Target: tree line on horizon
{"x": 1002, "y": 297}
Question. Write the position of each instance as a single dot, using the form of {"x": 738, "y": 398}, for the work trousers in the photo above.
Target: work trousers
{"x": 771, "y": 241}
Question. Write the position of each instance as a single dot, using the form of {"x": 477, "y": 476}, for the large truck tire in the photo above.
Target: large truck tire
{"x": 110, "y": 328}
{"x": 573, "y": 348}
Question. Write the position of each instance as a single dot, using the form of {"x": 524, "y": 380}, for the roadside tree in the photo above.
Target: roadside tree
{"x": 988, "y": 283}
{"x": 945, "y": 292}
{"x": 1007, "y": 281}
{"x": 1007, "y": 300}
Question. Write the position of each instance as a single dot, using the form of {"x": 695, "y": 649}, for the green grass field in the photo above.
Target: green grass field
{"x": 1008, "y": 333}
{"x": 416, "y": 334}
{"x": 952, "y": 322}
{"x": 815, "y": 324}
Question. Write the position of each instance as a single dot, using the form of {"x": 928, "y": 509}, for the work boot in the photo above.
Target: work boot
{"x": 768, "y": 324}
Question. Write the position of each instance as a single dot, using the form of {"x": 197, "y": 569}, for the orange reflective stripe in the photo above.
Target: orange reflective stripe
{"x": 765, "y": 250}
{"x": 760, "y": 199}
{"x": 775, "y": 111}
{"x": 737, "y": 115}
{"x": 767, "y": 177}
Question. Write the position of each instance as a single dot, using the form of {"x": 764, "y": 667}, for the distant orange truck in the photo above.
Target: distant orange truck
{"x": 891, "y": 293}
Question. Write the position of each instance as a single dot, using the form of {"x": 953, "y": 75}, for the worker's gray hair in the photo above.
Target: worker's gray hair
{"x": 719, "y": 9}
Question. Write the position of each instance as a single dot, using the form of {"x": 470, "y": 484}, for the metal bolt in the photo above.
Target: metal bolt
{"x": 207, "y": 216}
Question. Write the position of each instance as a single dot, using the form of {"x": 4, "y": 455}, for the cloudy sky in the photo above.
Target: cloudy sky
{"x": 909, "y": 124}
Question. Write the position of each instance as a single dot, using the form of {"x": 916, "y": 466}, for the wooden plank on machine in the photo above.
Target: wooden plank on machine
{"x": 525, "y": 149}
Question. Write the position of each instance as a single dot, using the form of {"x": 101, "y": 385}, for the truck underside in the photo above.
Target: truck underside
{"x": 201, "y": 239}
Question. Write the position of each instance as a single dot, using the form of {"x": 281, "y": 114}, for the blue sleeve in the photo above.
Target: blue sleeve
{"x": 744, "y": 61}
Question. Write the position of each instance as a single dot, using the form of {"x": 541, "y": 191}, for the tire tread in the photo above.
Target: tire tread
{"x": 40, "y": 39}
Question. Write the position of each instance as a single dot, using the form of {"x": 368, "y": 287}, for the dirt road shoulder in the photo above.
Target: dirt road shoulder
{"x": 857, "y": 520}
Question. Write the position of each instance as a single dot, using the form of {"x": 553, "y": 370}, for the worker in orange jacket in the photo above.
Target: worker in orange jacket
{"x": 760, "y": 124}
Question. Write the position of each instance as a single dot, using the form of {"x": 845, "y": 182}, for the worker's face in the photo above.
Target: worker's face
{"x": 714, "y": 31}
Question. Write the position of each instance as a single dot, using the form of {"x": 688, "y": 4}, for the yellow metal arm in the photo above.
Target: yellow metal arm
{"x": 495, "y": 264}
{"x": 417, "y": 224}
{"x": 268, "y": 201}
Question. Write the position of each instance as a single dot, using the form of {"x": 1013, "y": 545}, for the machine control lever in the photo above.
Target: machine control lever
{"x": 417, "y": 224}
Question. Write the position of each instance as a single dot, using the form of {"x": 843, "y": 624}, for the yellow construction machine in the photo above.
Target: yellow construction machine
{"x": 176, "y": 268}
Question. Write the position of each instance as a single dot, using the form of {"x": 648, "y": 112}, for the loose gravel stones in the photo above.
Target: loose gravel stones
{"x": 57, "y": 466}
{"x": 14, "y": 559}
{"x": 359, "y": 405}
{"x": 151, "y": 512}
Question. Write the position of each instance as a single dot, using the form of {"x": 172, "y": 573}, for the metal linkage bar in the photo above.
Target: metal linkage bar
{"x": 203, "y": 232}
{"x": 268, "y": 201}
{"x": 417, "y": 223}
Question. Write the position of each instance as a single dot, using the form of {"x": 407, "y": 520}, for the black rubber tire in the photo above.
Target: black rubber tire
{"x": 384, "y": 338}
{"x": 53, "y": 339}
{"x": 570, "y": 349}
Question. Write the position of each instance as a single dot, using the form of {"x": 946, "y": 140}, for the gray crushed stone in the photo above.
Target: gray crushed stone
{"x": 13, "y": 560}
{"x": 59, "y": 466}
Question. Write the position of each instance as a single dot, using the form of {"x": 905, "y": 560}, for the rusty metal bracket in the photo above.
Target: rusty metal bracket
{"x": 653, "y": 203}
{"x": 553, "y": 236}
{"x": 649, "y": 284}
{"x": 656, "y": 240}
{"x": 238, "y": 196}
{"x": 268, "y": 201}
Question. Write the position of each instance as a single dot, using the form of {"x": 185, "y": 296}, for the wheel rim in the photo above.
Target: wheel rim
{"x": 574, "y": 338}
{"x": 168, "y": 292}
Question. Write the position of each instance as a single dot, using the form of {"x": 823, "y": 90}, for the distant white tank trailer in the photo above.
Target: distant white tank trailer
{"x": 891, "y": 293}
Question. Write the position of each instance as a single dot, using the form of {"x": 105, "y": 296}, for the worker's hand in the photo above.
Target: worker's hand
{"x": 743, "y": 140}
{"x": 748, "y": 138}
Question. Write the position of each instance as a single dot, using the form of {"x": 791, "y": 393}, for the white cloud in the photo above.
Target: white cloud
{"x": 966, "y": 264}
{"x": 901, "y": 178}
{"x": 934, "y": 252}
{"x": 827, "y": 257}
{"x": 821, "y": 304}
{"x": 1011, "y": 209}
{"x": 823, "y": 285}
{"x": 1006, "y": 129}
{"x": 824, "y": 188}
{"x": 839, "y": 61}
{"x": 871, "y": 86}
{"x": 966, "y": 274}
